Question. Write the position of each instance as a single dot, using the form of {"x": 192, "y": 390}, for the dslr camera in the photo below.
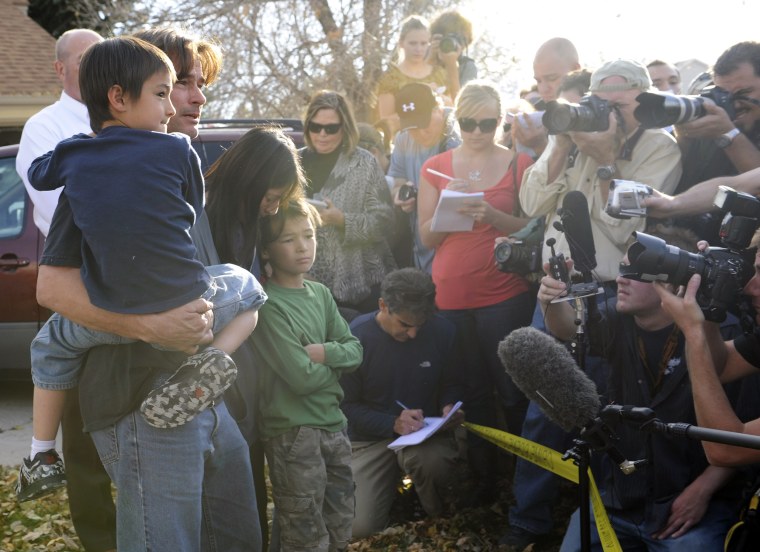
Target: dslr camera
{"x": 518, "y": 257}
{"x": 591, "y": 114}
{"x": 724, "y": 270}
{"x": 624, "y": 199}
{"x": 450, "y": 43}
{"x": 656, "y": 110}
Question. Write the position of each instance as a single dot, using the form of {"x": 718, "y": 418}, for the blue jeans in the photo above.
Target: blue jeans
{"x": 60, "y": 346}
{"x": 534, "y": 488}
{"x": 187, "y": 488}
{"x": 707, "y": 535}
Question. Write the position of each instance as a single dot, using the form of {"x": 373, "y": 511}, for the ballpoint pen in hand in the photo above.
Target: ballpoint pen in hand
{"x": 402, "y": 405}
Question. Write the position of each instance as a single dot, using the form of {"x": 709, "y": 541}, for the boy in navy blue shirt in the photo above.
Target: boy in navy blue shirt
{"x": 134, "y": 193}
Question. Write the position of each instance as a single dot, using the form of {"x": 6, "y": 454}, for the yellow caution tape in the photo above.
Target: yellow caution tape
{"x": 551, "y": 460}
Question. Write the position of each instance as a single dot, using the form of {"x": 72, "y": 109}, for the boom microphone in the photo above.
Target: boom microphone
{"x": 547, "y": 374}
{"x": 576, "y": 223}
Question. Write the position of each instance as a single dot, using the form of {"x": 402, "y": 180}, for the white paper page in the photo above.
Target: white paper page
{"x": 446, "y": 218}
{"x": 432, "y": 425}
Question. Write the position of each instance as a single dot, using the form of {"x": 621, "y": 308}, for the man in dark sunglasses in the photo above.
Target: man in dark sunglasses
{"x": 427, "y": 129}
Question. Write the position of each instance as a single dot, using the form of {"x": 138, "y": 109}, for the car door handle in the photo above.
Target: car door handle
{"x": 11, "y": 261}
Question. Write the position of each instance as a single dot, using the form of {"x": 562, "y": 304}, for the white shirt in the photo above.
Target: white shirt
{"x": 42, "y": 132}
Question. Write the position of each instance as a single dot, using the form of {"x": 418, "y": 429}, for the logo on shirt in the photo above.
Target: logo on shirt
{"x": 425, "y": 364}
{"x": 673, "y": 363}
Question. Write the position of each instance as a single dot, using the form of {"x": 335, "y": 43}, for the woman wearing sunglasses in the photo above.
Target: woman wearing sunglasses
{"x": 349, "y": 187}
{"x": 484, "y": 303}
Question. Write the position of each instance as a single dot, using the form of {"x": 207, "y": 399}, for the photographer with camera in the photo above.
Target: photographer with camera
{"x": 451, "y": 35}
{"x": 554, "y": 59}
{"x": 427, "y": 129}
{"x": 731, "y": 123}
{"x": 713, "y": 362}
{"x": 597, "y": 141}
{"x": 674, "y": 501}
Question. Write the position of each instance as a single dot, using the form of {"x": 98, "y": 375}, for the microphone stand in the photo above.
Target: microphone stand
{"x": 596, "y": 435}
{"x": 645, "y": 419}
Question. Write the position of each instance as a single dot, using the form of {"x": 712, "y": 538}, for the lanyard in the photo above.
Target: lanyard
{"x": 671, "y": 345}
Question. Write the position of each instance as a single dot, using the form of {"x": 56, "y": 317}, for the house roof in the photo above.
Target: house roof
{"x": 28, "y": 54}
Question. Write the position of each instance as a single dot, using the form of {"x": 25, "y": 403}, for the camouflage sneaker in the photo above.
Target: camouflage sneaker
{"x": 40, "y": 476}
{"x": 201, "y": 379}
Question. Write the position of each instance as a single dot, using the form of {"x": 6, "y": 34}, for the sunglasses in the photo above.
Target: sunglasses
{"x": 333, "y": 128}
{"x": 485, "y": 125}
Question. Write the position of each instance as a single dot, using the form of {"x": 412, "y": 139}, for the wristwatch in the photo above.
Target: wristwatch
{"x": 606, "y": 172}
{"x": 725, "y": 140}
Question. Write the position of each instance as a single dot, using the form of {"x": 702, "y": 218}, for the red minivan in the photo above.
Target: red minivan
{"x": 21, "y": 243}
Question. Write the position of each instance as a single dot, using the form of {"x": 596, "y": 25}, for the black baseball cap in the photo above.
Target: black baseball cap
{"x": 414, "y": 105}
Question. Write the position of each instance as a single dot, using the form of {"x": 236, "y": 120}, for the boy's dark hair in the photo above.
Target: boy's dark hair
{"x": 409, "y": 290}
{"x": 124, "y": 61}
{"x": 264, "y": 158}
{"x": 184, "y": 49}
{"x": 271, "y": 226}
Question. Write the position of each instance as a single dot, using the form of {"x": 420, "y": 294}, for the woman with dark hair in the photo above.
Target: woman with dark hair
{"x": 353, "y": 255}
{"x": 252, "y": 179}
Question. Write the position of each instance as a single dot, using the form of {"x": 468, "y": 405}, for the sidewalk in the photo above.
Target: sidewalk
{"x": 15, "y": 422}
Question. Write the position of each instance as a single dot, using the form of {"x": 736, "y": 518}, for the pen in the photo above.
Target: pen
{"x": 446, "y": 176}
{"x": 402, "y": 405}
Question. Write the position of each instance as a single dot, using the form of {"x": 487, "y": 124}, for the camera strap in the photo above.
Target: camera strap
{"x": 626, "y": 151}
{"x": 516, "y": 209}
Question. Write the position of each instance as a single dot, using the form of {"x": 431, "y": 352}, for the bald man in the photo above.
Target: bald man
{"x": 554, "y": 59}
{"x": 66, "y": 117}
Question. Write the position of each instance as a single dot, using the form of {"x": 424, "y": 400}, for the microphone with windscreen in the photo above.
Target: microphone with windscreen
{"x": 547, "y": 374}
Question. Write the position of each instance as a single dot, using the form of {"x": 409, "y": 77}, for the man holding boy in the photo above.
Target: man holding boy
{"x": 217, "y": 502}
{"x": 409, "y": 361}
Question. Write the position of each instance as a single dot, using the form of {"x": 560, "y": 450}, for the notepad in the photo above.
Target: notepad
{"x": 432, "y": 425}
{"x": 447, "y": 218}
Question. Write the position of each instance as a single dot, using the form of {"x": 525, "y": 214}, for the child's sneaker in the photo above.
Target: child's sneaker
{"x": 194, "y": 387}
{"x": 40, "y": 476}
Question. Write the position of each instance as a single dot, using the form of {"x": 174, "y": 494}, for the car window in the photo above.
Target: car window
{"x": 12, "y": 200}
{"x": 209, "y": 151}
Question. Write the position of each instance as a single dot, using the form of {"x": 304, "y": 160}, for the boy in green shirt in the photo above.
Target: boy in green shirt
{"x": 302, "y": 346}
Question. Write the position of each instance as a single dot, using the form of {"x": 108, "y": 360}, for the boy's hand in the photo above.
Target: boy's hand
{"x": 316, "y": 352}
